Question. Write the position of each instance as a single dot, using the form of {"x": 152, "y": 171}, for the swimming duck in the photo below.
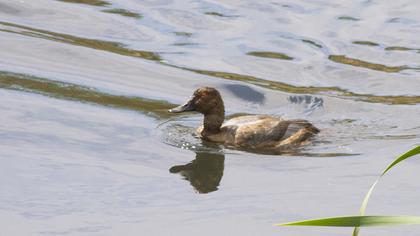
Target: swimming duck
{"x": 249, "y": 131}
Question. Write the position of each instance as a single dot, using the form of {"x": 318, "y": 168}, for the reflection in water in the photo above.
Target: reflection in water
{"x": 204, "y": 172}
{"x": 399, "y": 48}
{"x": 367, "y": 43}
{"x": 349, "y": 18}
{"x": 108, "y": 46}
{"x": 312, "y": 43}
{"x": 332, "y": 91}
{"x": 183, "y": 34}
{"x": 123, "y": 12}
{"x": 88, "y": 2}
{"x": 274, "y": 55}
{"x": 311, "y": 103}
{"x": 62, "y": 90}
{"x": 373, "y": 66}
{"x": 213, "y": 13}
{"x": 8, "y": 9}
{"x": 389, "y": 48}
{"x": 120, "y": 49}
{"x": 246, "y": 93}
{"x": 130, "y": 193}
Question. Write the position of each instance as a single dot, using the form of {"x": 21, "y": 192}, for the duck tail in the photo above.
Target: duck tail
{"x": 313, "y": 129}
{"x": 306, "y": 125}
{"x": 301, "y": 131}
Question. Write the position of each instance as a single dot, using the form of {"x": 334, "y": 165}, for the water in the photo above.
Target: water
{"x": 88, "y": 147}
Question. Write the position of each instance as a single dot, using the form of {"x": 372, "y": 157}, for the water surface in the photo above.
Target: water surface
{"x": 88, "y": 147}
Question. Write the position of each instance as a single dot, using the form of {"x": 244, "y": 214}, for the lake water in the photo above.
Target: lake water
{"x": 88, "y": 147}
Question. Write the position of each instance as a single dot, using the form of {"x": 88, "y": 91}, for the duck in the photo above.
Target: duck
{"x": 256, "y": 132}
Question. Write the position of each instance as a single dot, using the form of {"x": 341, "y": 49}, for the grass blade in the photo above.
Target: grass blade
{"x": 357, "y": 221}
{"x": 404, "y": 156}
{"x": 362, "y": 220}
{"x": 399, "y": 159}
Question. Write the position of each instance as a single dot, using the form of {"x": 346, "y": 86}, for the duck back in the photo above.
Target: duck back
{"x": 261, "y": 131}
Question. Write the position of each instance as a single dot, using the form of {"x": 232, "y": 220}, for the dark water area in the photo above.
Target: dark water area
{"x": 88, "y": 147}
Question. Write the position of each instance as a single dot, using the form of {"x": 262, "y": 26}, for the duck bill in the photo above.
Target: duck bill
{"x": 189, "y": 106}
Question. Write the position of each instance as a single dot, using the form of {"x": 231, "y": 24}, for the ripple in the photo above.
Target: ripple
{"x": 183, "y": 34}
{"x": 400, "y": 48}
{"x": 109, "y": 46}
{"x": 274, "y": 55}
{"x": 327, "y": 91}
{"x": 57, "y": 89}
{"x": 348, "y": 18}
{"x": 367, "y": 43}
{"x": 88, "y": 2}
{"x": 8, "y": 9}
{"x": 119, "y": 48}
{"x": 123, "y": 12}
{"x": 180, "y": 132}
{"x": 190, "y": 20}
{"x": 312, "y": 43}
{"x": 213, "y": 13}
{"x": 368, "y": 65}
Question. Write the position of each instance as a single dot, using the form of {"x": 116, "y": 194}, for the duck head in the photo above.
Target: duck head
{"x": 205, "y": 100}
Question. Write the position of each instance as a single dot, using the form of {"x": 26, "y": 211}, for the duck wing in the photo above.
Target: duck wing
{"x": 267, "y": 131}
{"x": 255, "y": 131}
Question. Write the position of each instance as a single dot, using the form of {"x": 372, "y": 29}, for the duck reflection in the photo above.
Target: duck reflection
{"x": 204, "y": 172}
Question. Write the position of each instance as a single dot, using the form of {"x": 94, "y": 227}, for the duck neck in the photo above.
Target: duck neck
{"x": 213, "y": 121}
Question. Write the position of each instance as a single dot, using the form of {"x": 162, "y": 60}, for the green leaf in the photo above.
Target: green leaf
{"x": 404, "y": 156}
{"x": 357, "y": 221}
{"x": 399, "y": 159}
{"x": 362, "y": 220}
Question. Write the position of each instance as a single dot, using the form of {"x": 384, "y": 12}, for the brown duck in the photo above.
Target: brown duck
{"x": 250, "y": 131}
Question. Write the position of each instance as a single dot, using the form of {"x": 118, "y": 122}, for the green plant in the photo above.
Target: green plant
{"x": 362, "y": 220}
